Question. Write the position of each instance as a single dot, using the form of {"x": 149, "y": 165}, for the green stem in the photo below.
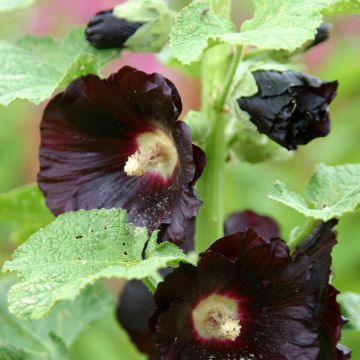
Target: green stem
{"x": 210, "y": 220}
{"x": 209, "y": 223}
{"x": 303, "y": 233}
{"x": 238, "y": 54}
{"x": 152, "y": 282}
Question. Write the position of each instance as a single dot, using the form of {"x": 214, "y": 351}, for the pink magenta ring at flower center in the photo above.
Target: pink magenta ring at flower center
{"x": 217, "y": 317}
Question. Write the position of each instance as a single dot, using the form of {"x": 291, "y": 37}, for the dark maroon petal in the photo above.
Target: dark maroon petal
{"x": 330, "y": 329}
{"x": 290, "y": 107}
{"x": 264, "y": 226}
{"x": 106, "y": 31}
{"x": 200, "y": 161}
{"x": 243, "y": 243}
{"x": 270, "y": 287}
{"x": 133, "y": 312}
{"x": 89, "y": 133}
{"x": 318, "y": 247}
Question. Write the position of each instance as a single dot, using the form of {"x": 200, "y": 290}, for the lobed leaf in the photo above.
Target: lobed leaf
{"x": 193, "y": 28}
{"x": 25, "y": 209}
{"x": 32, "y": 68}
{"x": 49, "y": 338}
{"x": 157, "y": 19}
{"x": 344, "y": 7}
{"x": 77, "y": 249}
{"x": 331, "y": 192}
{"x": 285, "y": 24}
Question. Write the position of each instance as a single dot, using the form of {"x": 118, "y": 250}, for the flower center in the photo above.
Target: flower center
{"x": 216, "y": 317}
{"x": 156, "y": 153}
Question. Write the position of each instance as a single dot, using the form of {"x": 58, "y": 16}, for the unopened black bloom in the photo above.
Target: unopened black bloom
{"x": 106, "y": 31}
{"x": 322, "y": 34}
{"x": 136, "y": 305}
{"x": 264, "y": 226}
{"x": 118, "y": 143}
{"x": 290, "y": 107}
{"x": 133, "y": 312}
{"x": 248, "y": 298}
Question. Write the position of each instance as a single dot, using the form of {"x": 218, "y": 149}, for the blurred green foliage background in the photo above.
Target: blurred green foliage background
{"x": 246, "y": 184}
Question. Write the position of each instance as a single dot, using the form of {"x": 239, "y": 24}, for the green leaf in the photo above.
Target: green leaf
{"x": 25, "y": 209}
{"x": 193, "y": 28}
{"x": 199, "y": 124}
{"x": 331, "y": 192}
{"x": 49, "y": 338}
{"x": 8, "y": 352}
{"x": 167, "y": 59}
{"x": 77, "y": 249}
{"x": 351, "y": 304}
{"x": 157, "y": 19}
{"x": 8, "y": 5}
{"x": 103, "y": 340}
{"x": 32, "y": 68}
{"x": 283, "y": 24}
{"x": 344, "y": 7}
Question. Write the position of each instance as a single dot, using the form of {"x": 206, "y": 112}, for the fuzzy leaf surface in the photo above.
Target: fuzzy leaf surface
{"x": 25, "y": 209}
{"x": 350, "y": 301}
{"x": 344, "y": 7}
{"x": 77, "y": 249}
{"x": 49, "y": 338}
{"x": 286, "y": 24}
{"x": 193, "y": 28}
{"x": 157, "y": 19}
{"x": 32, "y": 68}
{"x": 331, "y": 192}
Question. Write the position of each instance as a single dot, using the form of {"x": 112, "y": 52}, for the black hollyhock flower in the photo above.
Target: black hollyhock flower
{"x": 264, "y": 226}
{"x": 106, "y": 31}
{"x": 117, "y": 143}
{"x": 133, "y": 312}
{"x": 290, "y": 107}
{"x": 248, "y": 298}
{"x": 330, "y": 330}
{"x": 318, "y": 247}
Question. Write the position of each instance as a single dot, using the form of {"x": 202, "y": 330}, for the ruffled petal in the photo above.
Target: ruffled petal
{"x": 89, "y": 134}
{"x": 290, "y": 107}
{"x": 276, "y": 305}
{"x": 264, "y": 226}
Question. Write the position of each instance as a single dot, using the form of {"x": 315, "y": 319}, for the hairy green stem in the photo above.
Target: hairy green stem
{"x": 219, "y": 105}
{"x": 303, "y": 233}
{"x": 210, "y": 220}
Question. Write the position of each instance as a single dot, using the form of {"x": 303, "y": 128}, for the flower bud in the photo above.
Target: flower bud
{"x": 106, "y": 31}
{"x": 291, "y": 108}
{"x": 322, "y": 34}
